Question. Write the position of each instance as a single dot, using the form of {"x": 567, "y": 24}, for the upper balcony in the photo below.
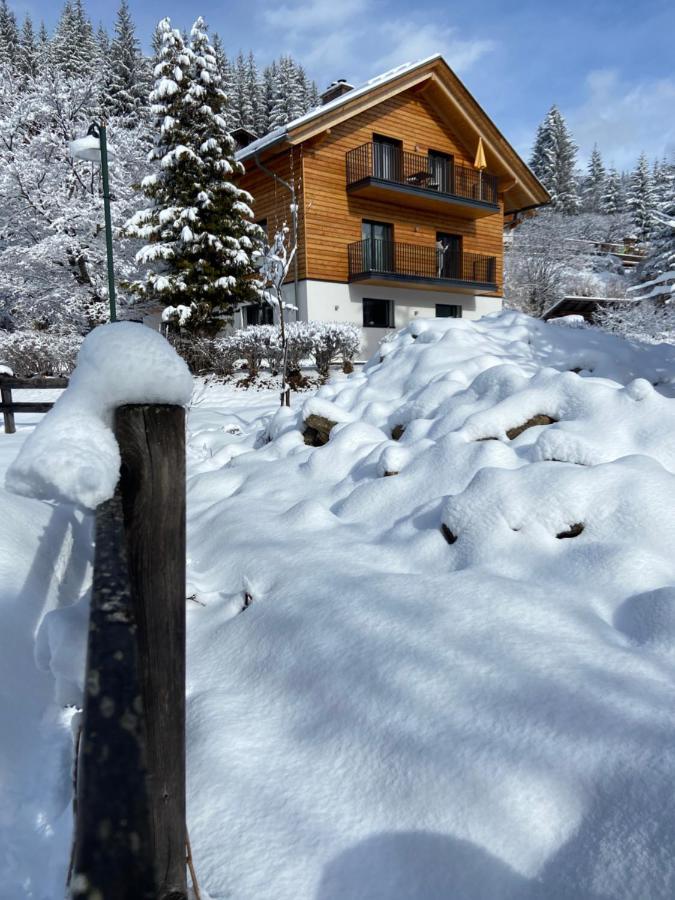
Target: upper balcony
{"x": 386, "y": 172}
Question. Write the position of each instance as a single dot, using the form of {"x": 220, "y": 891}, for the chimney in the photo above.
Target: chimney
{"x": 336, "y": 89}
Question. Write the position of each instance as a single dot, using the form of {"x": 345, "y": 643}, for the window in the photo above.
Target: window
{"x": 259, "y": 314}
{"x": 378, "y": 247}
{"x": 263, "y": 224}
{"x": 448, "y": 311}
{"x": 387, "y": 158}
{"x": 378, "y": 313}
{"x": 442, "y": 169}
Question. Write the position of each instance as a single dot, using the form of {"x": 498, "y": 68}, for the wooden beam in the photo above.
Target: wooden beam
{"x": 152, "y": 447}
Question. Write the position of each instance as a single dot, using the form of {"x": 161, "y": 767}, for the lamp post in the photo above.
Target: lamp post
{"x": 94, "y": 148}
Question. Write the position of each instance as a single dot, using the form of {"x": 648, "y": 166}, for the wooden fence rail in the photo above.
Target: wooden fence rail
{"x": 8, "y": 407}
{"x": 130, "y": 835}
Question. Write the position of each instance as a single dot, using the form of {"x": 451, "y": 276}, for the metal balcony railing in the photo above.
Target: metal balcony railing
{"x": 377, "y": 257}
{"x": 388, "y": 163}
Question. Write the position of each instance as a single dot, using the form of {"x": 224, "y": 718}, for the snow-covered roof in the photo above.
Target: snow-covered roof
{"x": 278, "y": 134}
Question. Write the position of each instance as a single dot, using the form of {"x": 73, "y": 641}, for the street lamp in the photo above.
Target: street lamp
{"x": 94, "y": 148}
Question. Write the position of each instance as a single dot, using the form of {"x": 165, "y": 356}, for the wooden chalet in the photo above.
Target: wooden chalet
{"x": 401, "y": 188}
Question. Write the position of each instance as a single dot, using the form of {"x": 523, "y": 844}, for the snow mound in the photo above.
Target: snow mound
{"x": 435, "y": 655}
{"x": 72, "y": 455}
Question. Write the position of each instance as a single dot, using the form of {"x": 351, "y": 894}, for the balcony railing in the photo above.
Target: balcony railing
{"x": 385, "y": 162}
{"x": 372, "y": 257}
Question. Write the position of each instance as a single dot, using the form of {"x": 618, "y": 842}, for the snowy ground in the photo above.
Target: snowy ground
{"x": 397, "y": 716}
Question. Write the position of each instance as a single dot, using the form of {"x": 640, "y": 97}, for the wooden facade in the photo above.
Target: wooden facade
{"x": 417, "y": 113}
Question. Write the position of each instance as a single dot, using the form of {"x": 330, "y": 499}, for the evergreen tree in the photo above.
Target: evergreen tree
{"x": 254, "y": 92}
{"x": 612, "y": 201}
{"x": 199, "y": 233}
{"x": 43, "y": 48}
{"x": 9, "y": 37}
{"x": 641, "y": 200}
{"x": 553, "y": 161}
{"x": 595, "y": 182}
{"x": 73, "y": 49}
{"x": 127, "y": 75}
{"x": 103, "y": 42}
{"x": 28, "y": 59}
{"x": 664, "y": 184}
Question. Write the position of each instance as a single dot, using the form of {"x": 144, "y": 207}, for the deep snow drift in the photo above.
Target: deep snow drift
{"x": 438, "y": 666}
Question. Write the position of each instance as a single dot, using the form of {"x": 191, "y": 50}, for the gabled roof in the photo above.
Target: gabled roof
{"x": 449, "y": 96}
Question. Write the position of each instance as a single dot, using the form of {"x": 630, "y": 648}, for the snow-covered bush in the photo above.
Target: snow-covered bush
{"x": 205, "y": 355}
{"x": 249, "y": 344}
{"x": 29, "y": 353}
{"x": 330, "y": 340}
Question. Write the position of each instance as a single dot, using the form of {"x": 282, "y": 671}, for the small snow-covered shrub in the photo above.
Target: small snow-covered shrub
{"x": 330, "y": 340}
{"x": 249, "y": 344}
{"x": 29, "y": 353}
{"x": 204, "y": 355}
{"x": 300, "y": 344}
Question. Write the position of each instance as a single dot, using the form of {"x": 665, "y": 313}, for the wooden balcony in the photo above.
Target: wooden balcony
{"x": 383, "y": 262}
{"x": 385, "y": 172}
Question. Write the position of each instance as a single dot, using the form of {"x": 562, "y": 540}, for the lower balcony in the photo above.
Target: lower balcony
{"x": 382, "y": 262}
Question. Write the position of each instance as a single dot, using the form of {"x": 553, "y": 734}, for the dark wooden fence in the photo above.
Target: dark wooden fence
{"x": 130, "y": 834}
{"x": 8, "y": 407}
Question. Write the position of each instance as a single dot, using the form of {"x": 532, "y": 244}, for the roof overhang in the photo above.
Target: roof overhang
{"x": 443, "y": 90}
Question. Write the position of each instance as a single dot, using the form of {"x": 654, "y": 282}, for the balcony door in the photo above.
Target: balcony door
{"x": 387, "y": 158}
{"x": 448, "y": 255}
{"x": 441, "y": 167}
{"x": 378, "y": 247}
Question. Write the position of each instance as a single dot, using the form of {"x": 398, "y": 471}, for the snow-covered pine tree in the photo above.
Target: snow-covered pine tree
{"x": 641, "y": 200}
{"x": 73, "y": 47}
{"x": 612, "y": 202}
{"x": 664, "y": 184}
{"x": 594, "y": 183}
{"x": 9, "y": 37}
{"x": 254, "y": 91}
{"x": 553, "y": 161}
{"x": 247, "y": 84}
{"x": 43, "y": 50}
{"x": 127, "y": 78}
{"x": 199, "y": 230}
{"x": 28, "y": 61}
{"x": 225, "y": 71}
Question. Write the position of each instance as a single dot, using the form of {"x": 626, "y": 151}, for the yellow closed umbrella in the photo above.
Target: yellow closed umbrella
{"x": 480, "y": 164}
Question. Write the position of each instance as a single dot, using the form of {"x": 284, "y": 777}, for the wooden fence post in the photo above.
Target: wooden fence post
{"x": 112, "y": 854}
{"x": 152, "y": 485}
{"x": 8, "y": 415}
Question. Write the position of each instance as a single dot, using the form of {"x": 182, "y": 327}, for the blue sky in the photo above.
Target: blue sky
{"x": 608, "y": 65}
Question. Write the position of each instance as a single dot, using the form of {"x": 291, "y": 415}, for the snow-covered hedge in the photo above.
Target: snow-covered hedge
{"x": 29, "y": 353}
{"x": 323, "y": 342}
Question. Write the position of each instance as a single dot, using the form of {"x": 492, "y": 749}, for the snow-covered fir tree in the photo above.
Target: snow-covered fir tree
{"x": 9, "y": 37}
{"x": 199, "y": 233}
{"x": 73, "y": 47}
{"x": 612, "y": 201}
{"x": 28, "y": 60}
{"x": 594, "y": 183}
{"x": 664, "y": 183}
{"x": 127, "y": 81}
{"x": 553, "y": 161}
{"x": 641, "y": 199}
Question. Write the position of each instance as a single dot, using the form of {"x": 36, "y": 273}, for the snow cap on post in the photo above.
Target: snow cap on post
{"x": 72, "y": 455}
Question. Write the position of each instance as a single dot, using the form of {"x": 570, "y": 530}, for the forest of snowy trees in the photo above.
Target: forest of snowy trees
{"x": 546, "y": 259}
{"x": 52, "y": 246}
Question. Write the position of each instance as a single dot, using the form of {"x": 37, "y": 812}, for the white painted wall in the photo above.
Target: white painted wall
{"x": 331, "y": 301}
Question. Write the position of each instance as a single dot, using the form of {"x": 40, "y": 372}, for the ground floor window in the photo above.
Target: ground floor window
{"x": 259, "y": 314}
{"x": 378, "y": 313}
{"x": 448, "y": 311}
